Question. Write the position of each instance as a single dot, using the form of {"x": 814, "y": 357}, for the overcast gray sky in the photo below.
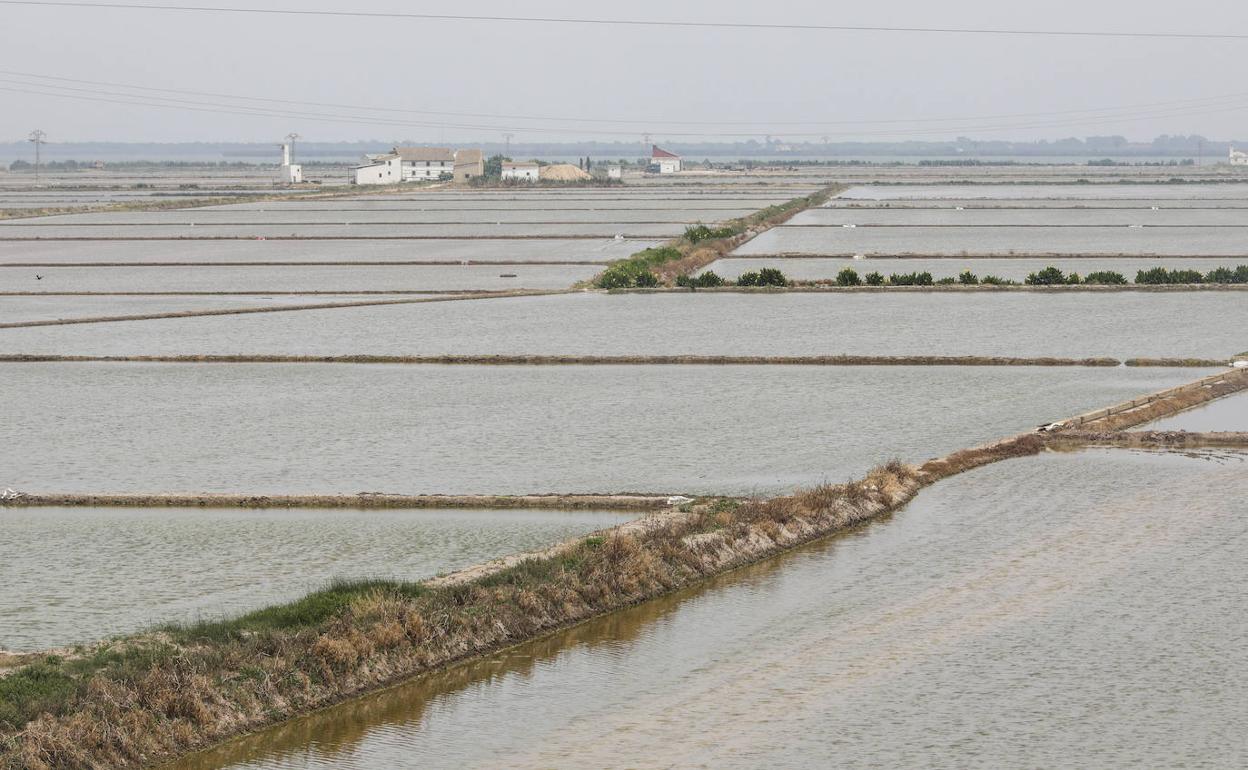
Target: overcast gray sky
{"x": 755, "y": 81}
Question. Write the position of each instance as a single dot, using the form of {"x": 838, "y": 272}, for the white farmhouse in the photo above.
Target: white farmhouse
{"x": 527, "y": 170}
{"x": 425, "y": 163}
{"x": 662, "y": 161}
{"x": 378, "y": 169}
{"x": 1238, "y": 157}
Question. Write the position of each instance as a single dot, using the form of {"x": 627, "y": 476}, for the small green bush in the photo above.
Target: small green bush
{"x": 646, "y": 280}
{"x": 946, "y": 281}
{"x": 848, "y": 277}
{"x": 700, "y": 232}
{"x": 996, "y": 280}
{"x": 748, "y": 279}
{"x": 911, "y": 279}
{"x": 770, "y": 276}
{"x": 875, "y": 279}
{"x": 1049, "y": 276}
{"x": 706, "y": 280}
{"x": 967, "y": 278}
{"x": 1106, "y": 278}
{"x": 1160, "y": 275}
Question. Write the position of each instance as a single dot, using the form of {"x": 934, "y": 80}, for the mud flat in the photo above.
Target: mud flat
{"x": 1119, "y": 325}
{"x": 340, "y": 429}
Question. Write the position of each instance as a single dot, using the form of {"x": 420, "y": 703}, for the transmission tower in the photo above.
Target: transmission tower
{"x": 37, "y": 136}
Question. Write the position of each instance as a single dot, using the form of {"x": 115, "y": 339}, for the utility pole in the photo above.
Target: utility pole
{"x": 37, "y": 137}
{"x": 507, "y": 137}
{"x": 291, "y": 137}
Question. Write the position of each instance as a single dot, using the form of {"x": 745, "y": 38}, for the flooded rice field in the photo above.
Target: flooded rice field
{"x": 48, "y": 229}
{"x": 348, "y": 213}
{"x": 1063, "y": 192}
{"x": 164, "y": 565}
{"x": 164, "y": 252}
{"x": 58, "y": 307}
{"x": 1227, "y": 414}
{"x": 1120, "y": 325}
{"x": 348, "y": 428}
{"x": 1001, "y": 241}
{"x": 1075, "y": 609}
{"x": 1012, "y": 268}
{"x": 276, "y": 278}
{"x": 1021, "y": 217}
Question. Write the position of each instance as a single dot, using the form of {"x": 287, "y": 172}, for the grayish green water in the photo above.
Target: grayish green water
{"x": 81, "y": 574}
{"x": 1081, "y": 217}
{"x": 51, "y": 308}
{"x": 252, "y": 278}
{"x": 1071, "y": 610}
{"x": 344, "y": 428}
{"x": 1001, "y": 241}
{"x": 1120, "y": 325}
{"x": 1225, "y": 414}
{"x": 39, "y": 252}
{"x": 1066, "y": 192}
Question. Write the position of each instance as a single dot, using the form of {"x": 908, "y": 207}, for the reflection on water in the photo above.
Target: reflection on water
{"x": 178, "y": 564}
{"x": 1224, "y": 414}
{"x": 1075, "y": 609}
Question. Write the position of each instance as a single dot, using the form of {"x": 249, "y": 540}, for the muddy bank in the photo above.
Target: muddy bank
{"x": 1153, "y": 439}
{"x": 630, "y": 502}
{"x": 523, "y": 360}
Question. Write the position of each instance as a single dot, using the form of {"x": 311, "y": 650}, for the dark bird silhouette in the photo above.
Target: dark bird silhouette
{"x": 38, "y": 277}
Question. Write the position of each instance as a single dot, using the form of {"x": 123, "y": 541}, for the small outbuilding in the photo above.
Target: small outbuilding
{"x": 379, "y": 169}
{"x": 528, "y": 171}
{"x": 468, "y": 164}
{"x": 1238, "y": 157}
{"x": 662, "y": 161}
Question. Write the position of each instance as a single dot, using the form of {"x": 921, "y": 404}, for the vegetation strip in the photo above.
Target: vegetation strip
{"x": 523, "y": 360}
{"x": 150, "y": 697}
{"x": 933, "y": 288}
{"x": 701, "y": 245}
{"x": 623, "y": 501}
{"x": 283, "y": 308}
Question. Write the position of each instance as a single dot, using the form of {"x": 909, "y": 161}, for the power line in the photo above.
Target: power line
{"x": 1094, "y": 117}
{"x": 225, "y": 109}
{"x": 759, "y": 125}
{"x": 639, "y": 22}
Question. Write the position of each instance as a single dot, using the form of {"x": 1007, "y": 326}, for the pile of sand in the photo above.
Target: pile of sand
{"x": 563, "y": 172}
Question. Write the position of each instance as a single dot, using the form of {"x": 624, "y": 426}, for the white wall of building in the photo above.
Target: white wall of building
{"x": 529, "y": 173}
{"x": 387, "y": 171}
{"x": 420, "y": 170}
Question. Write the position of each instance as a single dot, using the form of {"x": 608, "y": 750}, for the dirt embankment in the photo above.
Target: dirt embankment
{"x": 524, "y": 360}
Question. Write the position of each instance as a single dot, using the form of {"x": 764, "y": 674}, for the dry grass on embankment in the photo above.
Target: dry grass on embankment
{"x": 153, "y": 696}
{"x": 524, "y": 360}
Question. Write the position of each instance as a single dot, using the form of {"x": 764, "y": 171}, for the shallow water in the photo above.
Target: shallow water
{"x": 1121, "y": 325}
{"x": 47, "y": 229}
{"x": 1225, "y": 414}
{"x": 955, "y": 634}
{"x": 1016, "y": 269}
{"x": 52, "y": 307}
{"x": 348, "y": 213}
{"x": 252, "y": 278}
{"x": 348, "y": 428}
{"x": 1094, "y": 192}
{"x": 88, "y": 252}
{"x": 950, "y": 216}
{"x": 182, "y": 564}
{"x": 998, "y": 241}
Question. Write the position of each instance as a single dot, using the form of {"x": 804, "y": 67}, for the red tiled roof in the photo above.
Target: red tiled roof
{"x": 659, "y": 152}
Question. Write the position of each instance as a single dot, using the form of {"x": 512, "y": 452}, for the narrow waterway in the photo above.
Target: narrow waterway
{"x": 1075, "y": 609}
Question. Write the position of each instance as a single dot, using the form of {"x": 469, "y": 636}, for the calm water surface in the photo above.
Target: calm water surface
{"x": 80, "y": 574}
{"x": 951, "y": 216}
{"x": 1225, "y": 414}
{"x": 1071, "y": 610}
{"x": 342, "y": 428}
{"x": 295, "y": 278}
{"x": 54, "y": 307}
{"x": 1120, "y": 325}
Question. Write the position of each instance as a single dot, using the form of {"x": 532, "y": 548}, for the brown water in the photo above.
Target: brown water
{"x": 1070, "y": 610}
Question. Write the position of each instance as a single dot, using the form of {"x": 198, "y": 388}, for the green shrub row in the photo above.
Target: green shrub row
{"x": 768, "y": 276}
{"x": 700, "y": 232}
{"x": 1160, "y": 275}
